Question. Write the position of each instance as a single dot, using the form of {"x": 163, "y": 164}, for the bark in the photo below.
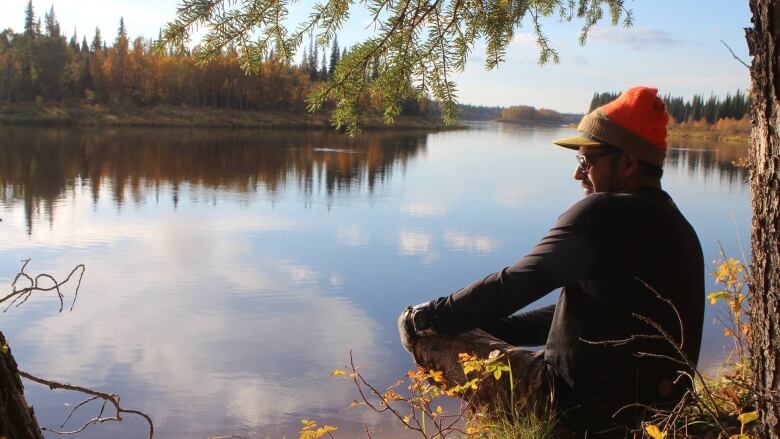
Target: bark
{"x": 764, "y": 160}
{"x": 17, "y": 419}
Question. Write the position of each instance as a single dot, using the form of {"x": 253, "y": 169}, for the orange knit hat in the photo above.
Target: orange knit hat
{"x": 634, "y": 122}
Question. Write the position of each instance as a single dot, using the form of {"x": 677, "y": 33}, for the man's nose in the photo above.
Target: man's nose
{"x": 578, "y": 174}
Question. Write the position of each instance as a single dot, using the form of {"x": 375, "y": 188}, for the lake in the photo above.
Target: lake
{"x": 228, "y": 272}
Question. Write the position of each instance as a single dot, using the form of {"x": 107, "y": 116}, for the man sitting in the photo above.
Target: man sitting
{"x": 622, "y": 257}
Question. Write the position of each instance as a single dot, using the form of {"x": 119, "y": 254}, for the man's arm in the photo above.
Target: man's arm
{"x": 568, "y": 253}
{"x": 525, "y": 329}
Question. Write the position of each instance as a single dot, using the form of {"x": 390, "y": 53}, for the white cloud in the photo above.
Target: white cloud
{"x": 414, "y": 243}
{"x": 524, "y": 40}
{"x": 470, "y": 243}
{"x": 636, "y": 38}
{"x": 424, "y": 208}
{"x": 352, "y": 236}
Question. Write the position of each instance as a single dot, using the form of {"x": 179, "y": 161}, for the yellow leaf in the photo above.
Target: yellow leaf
{"x": 338, "y": 372}
{"x": 392, "y": 395}
{"x": 439, "y": 409}
{"x": 654, "y": 432}
{"x": 748, "y": 417}
{"x": 727, "y": 332}
{"x": 717, "y": 295}
{"x": 497, "y": 374}
{"x": 4, "y": 348}
{"x": 322, "y": 431}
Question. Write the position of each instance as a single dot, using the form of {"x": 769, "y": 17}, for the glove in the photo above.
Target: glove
{"x": 406, "y": 329}
{"x": 414, "y": 322}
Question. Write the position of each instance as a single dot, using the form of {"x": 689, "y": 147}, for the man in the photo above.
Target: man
{"x": 627, "y": 262}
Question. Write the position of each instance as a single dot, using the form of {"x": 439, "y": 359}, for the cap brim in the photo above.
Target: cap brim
{"x": 576, "y": 142}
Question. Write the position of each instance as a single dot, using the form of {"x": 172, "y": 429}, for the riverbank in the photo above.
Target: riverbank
{"x": 183, "y": 116}
{"x": 724, "y": 130}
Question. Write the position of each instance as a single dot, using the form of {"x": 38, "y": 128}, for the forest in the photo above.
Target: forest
{"x": 41, "y": 64}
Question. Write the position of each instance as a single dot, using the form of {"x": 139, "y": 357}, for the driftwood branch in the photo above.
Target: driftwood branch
{"x": 94, "y": 395}
{"x": 43, "y": 283}
{"x": 19, "y": 295}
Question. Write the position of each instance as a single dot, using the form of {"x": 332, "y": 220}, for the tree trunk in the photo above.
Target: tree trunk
{"x": 764, "y": 160}
{"x": 17, "y": 419}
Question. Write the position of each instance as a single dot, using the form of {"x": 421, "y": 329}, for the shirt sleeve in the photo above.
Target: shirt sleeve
{"x": 567, "y": 253}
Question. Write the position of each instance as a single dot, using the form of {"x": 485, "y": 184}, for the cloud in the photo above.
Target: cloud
{"x": 413, "y": 243}
{"x": 352, "y": 236}
{"x": 524, "y": 40}
{"x": 470, "y": 243}
{"x": 636, "y": 38}
{"x": 424, "y": 208}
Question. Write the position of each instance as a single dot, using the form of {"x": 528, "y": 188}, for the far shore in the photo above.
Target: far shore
{"x": 190, "y": 117}
{"x": 708, "y": 134}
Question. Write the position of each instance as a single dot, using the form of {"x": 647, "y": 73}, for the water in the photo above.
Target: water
{"x": 228, "y": 272}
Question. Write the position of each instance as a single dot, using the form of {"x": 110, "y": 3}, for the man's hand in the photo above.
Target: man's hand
{"x": 406, "y": 329}
{"x": 415, "y": 322}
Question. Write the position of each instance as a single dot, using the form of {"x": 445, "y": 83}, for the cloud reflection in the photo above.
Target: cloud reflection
{"x": 189, "y": 320}
{"x": 424, "y": 208}
{"x": 470, "y": 243}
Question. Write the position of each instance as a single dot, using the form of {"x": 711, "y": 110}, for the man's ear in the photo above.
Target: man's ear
{"x": 630, "y": 164}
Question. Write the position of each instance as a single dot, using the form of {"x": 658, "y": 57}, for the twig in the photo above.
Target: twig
{"x": 20, "y": 296}
{"x": 734, "y": 54}
{"x": 106, "y": 397}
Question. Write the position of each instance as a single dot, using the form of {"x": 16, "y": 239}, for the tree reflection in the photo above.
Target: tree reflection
{"x": 39, "y": 166}
{"x": 708, "y": 160}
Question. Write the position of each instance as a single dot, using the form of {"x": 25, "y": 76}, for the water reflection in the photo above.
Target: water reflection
{"x": 39, "y": 167}
{"x": 712, "y": 161}
{"x": 229, "y": 272}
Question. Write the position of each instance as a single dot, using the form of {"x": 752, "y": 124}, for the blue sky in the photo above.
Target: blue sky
{"x": 673, "y": 45}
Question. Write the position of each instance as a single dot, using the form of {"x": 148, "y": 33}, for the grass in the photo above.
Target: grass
{"x": 59, "y": 114}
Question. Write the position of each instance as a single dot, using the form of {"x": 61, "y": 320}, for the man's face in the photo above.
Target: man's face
{"x": 602, "y": 171}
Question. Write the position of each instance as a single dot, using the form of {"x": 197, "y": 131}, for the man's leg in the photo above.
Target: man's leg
{"x": 530, "y": 378}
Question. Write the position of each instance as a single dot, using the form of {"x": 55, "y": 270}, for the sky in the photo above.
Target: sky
{"x": 674, "y": 46}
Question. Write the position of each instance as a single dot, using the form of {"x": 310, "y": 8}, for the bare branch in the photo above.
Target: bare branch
{"x": 106, "y": 397}
{"x": 19, "y": 296}
{"x": 734, "y": 54}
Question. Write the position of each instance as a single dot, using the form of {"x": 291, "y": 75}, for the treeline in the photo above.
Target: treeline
{"x": 40, "y": 64}
{"x": 530, "y": 115}
{"x": 710, "y": 110}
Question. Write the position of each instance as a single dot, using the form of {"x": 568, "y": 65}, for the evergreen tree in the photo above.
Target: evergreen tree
{"x": 323, "y": 68}
{"x": 97, "y": 41}
{"x": 30, "y": 29}
{"x": 74, "y": 42}
{"x": 334, "y": 56}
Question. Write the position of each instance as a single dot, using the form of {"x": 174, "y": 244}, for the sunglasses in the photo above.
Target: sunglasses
{"x": 585, "y": 162}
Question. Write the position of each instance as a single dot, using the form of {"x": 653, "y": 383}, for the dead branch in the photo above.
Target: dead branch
{"x": 734, "y": 54}
{"x": 19, "y": 296}
{"x": 94, "y": 394}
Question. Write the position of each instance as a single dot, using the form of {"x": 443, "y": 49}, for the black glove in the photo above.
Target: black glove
{"x": 406, "y": 329}
{"x": 414, "y": 322}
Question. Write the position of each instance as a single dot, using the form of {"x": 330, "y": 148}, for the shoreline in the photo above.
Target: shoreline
{"x": 159, "y": 116}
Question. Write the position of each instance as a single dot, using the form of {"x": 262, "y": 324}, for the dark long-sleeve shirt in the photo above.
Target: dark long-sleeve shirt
{"x": 600, "y": 252}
